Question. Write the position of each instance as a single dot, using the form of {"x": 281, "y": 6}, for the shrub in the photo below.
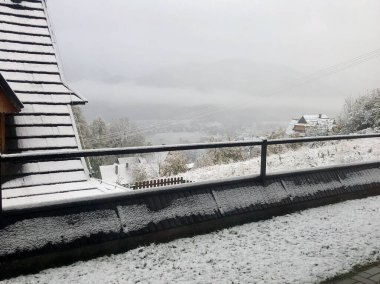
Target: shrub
{"x": 360, "y": 113}
{"x": 175, "y": 163}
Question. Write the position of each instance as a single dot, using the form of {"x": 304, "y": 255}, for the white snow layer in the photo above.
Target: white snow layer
{"x": 306, "y": 157}
{"x": 304, "y": 247}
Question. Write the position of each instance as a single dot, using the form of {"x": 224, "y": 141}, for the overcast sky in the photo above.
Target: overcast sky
{"x": 128, "y": 57}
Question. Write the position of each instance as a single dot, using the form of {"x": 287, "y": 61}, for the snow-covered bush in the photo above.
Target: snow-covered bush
{"x": 360, "y": 113}
{"x": 139, "y": 174}
{"x": 175, "y": 163}
{"x": 221, "y": 156}
{"x": 281, "y": 148}
{"x": 319, "y": 130}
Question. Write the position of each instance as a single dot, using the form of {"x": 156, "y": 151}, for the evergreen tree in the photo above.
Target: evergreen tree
{"x": 83, "y": 128}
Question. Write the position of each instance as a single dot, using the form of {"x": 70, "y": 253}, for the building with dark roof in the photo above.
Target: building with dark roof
{"x": 312, "y": 124}
{"x": 31, "y": 71}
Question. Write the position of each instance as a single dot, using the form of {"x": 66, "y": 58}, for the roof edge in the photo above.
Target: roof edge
{"x": 58, "y": 56}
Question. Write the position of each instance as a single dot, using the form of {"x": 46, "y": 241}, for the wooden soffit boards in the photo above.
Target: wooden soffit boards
{"x": 9, "y": 102}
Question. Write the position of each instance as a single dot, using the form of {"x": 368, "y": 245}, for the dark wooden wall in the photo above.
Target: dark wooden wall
{"x": 5, "y": 107}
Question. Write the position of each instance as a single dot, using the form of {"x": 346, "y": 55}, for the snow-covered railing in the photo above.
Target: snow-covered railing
{"x": 263, "y": 142}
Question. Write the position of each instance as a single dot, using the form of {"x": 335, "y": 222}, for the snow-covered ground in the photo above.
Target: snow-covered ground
{"x": 308, "y": 156}
{"x": 304, "y": 247}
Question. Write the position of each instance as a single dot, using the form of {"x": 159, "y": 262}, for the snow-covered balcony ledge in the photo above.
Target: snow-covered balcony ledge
{"x": 96, "y": 226}
{"x": 114, "y": 193}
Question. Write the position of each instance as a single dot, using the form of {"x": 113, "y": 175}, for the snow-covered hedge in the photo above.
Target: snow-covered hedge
{"x": 360, "y": 113}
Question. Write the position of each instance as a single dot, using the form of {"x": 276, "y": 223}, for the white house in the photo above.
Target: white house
{"x": 123, "y": 172}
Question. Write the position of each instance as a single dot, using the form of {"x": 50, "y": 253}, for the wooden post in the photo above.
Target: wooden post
{"x": 263, "y": 169}
{"x": 1, "y": 192}
{"x": 2, "y": 150}
{"x": 2, "y": 133}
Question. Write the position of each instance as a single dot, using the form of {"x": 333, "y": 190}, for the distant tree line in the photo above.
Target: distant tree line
{"x": 121, "y": 133}
{"x": 100, "y": 134}
{"x": 358, "y": 114}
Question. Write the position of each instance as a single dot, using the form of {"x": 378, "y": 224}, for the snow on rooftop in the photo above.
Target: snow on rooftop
{"x": 315, "y": 116}
{"x": 67, "y": 192}
{"x": 304, "y": 247}
{"x": 29, "y": 66}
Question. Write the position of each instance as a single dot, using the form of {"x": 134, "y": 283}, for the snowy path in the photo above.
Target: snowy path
{"x": 304, "y": 247}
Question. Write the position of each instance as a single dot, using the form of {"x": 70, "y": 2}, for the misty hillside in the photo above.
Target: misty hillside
{"x": 235, "y": 91}
{"x": 238, "y": 75}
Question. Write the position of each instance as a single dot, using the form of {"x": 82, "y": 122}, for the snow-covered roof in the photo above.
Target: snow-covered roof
{"x": 28, "y": 62}
{"x": 315, "y": 116}
{"x": 316, "y": 119}
{"x": 129, "y": 160}
{"x": 116, "y": 174}
{"x": 155, "y": 158}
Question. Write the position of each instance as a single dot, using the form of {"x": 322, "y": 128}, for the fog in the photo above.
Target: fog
{"x": 240, "y": 60}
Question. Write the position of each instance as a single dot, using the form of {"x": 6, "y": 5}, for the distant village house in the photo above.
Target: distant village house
{"x": 310, "y": 125}
{"x": 125, "y": 171}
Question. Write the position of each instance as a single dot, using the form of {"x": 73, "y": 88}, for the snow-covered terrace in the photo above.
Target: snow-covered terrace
{"x": 304, "y": 247}
{"x": 156, "y": 214}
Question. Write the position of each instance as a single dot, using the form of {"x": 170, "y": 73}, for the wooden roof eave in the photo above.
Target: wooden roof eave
{"x": 10, "y": 94}
{"x": 82, "y": 101}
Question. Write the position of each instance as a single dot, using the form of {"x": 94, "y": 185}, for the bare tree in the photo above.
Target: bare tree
{"x": 124, "y": 133}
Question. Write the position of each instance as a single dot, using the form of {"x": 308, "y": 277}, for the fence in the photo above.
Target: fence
{"x": 264, "y": 143}
{"x": 159, "y": 182}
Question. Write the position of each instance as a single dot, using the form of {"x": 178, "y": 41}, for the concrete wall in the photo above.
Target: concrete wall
{"x": 38, "y": 237}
